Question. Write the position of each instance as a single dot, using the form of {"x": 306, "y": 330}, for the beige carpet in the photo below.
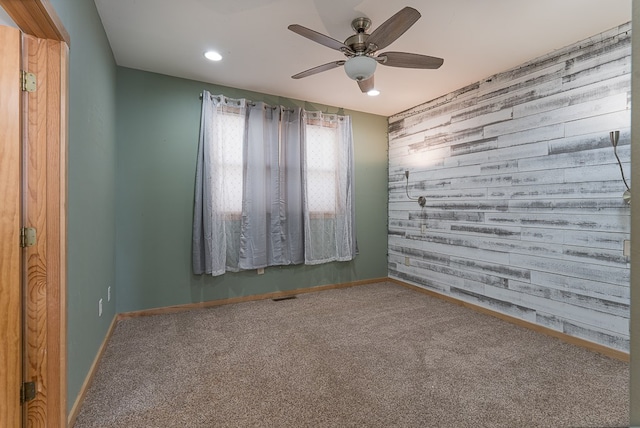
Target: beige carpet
{"x": 376, "y": 355}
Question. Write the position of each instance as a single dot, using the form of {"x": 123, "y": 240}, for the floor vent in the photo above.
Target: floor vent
{"x": 280, "y": 299}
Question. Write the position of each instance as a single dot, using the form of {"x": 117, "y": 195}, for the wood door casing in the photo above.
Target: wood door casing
{"x": 44, "y": 207}
{"x": 10, "y": 252}
{"x": 38, "y": 19}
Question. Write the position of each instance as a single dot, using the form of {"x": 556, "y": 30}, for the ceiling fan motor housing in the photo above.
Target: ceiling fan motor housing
{"x": 360, "y": 67}
{"x": 358, "y": 43}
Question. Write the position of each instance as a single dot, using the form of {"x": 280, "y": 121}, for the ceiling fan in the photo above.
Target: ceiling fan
{"x": 360, "y": 49}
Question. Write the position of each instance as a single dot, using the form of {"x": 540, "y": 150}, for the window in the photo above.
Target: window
{"x": 321, "y": 159}
{"x": 228, "y": 167}
{"x": 273, "y": 187}
{"x": 320, "y": 162}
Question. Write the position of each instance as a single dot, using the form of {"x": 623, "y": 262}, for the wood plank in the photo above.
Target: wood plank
{"x": 503, "y": 270}
{"x": 564, "y": 222}
{"x": 611, "y": 104}
{"x": 474, "y": 146}
{"x": 62, "y": 180}
{"x": 592, "y": 189}
{"x": 613, "y": 205}
{"x": 600, "y": 303}
{"x": 613, "y": 275}
{"x": 432, "y": 195}
{"x": 56, "y": 403}
{"x": 612, "y": 70}
{"x": 601, "y": 123}
{"x": 521, "y": 79}
{"x": 528, "y": 136}
{"x": 592, "y": 334}
{"x": 609, "y": 172}
{"x": 573, "y": 159}
{"x": 529, "y": 178}
{"x": 611, "y": 47}
{"x": 10, "y": 222}
{"x": 584, "y": 286}
{"x": 599, "y": 89}
{"x": 593, "y": 141}
{"x": 609, "y": 240}
{"x": 506, "y": 240}
{"x": 430, "y": 284}
{"x": 598, "y": 319}
{"x": 533, "y": 150}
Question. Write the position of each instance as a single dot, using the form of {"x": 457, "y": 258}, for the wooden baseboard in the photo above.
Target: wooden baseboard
{"x": 596, "y": 347}
{"x": 73, "y": 414}
{"x": 241, "y": 299}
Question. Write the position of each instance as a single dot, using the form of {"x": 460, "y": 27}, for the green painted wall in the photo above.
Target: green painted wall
{"x": 91, "y": 204}
{"x": 158, "y": 119}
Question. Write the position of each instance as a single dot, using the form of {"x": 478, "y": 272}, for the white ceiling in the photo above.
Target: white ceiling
{"x": 476, "y": 38}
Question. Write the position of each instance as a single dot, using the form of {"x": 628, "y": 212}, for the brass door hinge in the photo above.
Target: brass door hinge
{"x": 28, "y": 81}
{"x": 27, "y": 237}
{"x": 27, "y": 392}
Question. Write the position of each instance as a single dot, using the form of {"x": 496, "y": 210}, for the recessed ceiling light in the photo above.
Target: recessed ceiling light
{"x": 373, "y": 93}
{"x": 212, "y": 55}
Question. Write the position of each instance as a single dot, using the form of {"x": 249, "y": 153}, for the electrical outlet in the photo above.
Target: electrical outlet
{"x": 260, "y": 271}
{"x": 407, "y": 261}
{"x": 109, "y": 294}
{"x": 626, "y": 248}
{"x": 100, "y": 307}
{"x": 423, "y": 229}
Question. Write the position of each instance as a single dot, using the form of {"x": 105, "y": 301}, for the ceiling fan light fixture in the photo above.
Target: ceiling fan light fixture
{"x": 360, "y": 67}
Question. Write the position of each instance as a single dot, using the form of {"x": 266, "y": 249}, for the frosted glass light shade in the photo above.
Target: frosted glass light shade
{"x": 360, "y": 67}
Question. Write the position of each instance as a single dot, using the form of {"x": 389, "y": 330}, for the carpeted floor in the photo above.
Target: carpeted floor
{"x": 376, "y": 355}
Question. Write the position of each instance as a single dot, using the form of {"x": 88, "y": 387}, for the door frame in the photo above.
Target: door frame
{"x": 38, "y": 18}
{"x": 10, "y": 220}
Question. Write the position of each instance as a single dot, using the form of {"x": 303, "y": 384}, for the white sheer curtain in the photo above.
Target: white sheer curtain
{"x": 218, "y": 193}
{"x": 329, "y": 200}
{"x": 273, "y": 187}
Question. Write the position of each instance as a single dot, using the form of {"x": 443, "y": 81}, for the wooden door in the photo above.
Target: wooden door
{"x": 10, "y": 252}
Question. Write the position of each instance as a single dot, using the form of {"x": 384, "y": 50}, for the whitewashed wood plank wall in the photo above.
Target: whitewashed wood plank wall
{"x": 524, "y": 210}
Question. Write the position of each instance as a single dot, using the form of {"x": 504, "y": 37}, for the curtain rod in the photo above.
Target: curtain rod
{"x": 253, "y": 104}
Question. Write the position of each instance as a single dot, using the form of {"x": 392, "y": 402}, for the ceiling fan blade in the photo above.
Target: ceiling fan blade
{"x": 318, "y": 69}
{"x": 394, "y": 27}
{"x": 318, "y": 37}
{"x": 366, "y": 85}
{"x": 409, "y": 60}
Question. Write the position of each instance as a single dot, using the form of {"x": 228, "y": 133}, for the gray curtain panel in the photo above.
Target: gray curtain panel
{"x": 271, "y": 232}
